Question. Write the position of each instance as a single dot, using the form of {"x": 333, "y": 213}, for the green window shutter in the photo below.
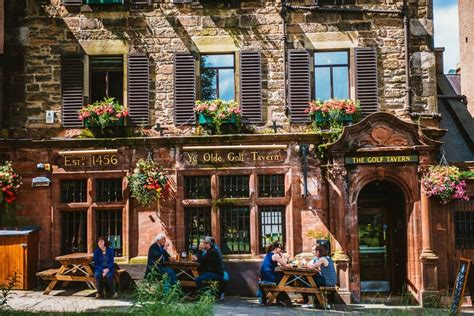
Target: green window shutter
{"x": 104, "y": 1}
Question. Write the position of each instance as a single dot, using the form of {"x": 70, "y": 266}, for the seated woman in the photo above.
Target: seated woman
{"x": 327, "y": 275}
{"x": 104, "y": 268}
{"x": 273, "y": 258}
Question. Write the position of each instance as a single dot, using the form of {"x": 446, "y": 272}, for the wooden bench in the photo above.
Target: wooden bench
{"x": 323, "y": 295}
{"x": 48, "y": 275}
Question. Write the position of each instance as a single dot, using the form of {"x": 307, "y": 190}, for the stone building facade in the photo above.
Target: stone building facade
{"x": 157, "y": 52}
{"x": 466, "y": 12}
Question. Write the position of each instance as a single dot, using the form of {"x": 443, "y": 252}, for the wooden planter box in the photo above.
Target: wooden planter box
{"x": 19, "y": 253}
{"x": 117, "y": 129}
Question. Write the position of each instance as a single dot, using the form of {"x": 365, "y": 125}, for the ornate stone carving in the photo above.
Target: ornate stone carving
{"x": 336, "y": 171}
{"x": 383, "y": 136}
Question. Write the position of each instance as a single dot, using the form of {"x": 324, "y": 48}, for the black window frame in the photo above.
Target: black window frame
{"x": 267, "y": 209}
{"x": 78, "y": 216}
{"x": 201, "y": 213}
{"x": 234, "y": 67}
{"x": 224, "y": 238}
{"x": 197, "y": 186}
{"x": 348, "y": 65}
{"x": 463, "y": 222}
{"x": 103, "y": 185}
{"x": 64, "y": 198}
{"x": 280, "y": 182}
{"x": 107, "y": 87}
{"x": 223, "y": 194}
{"x": 118, "y": 252}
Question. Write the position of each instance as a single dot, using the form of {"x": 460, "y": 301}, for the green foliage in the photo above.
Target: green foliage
{"x": 466, "y": 175}
{"x": 148, "y": 183}
{"x": 218, "y": 112}
{"x": 156, "y": 297}
{"x": 102, "y": 114}
{"x": 5, "y": 292}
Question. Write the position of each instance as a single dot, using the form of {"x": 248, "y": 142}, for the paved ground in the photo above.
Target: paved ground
{"x": 84, "y": 301}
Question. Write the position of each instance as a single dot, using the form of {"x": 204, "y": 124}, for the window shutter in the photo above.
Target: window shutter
{"x": 366, "y": 79}
{"x": 138, "y": 88}
{"x": 184, "y": 88}
{"x": 251, "y": 86}
{"x": 299, "y": 91}
{"x": 72, "y": 2}
{"x": 72, "y": 90}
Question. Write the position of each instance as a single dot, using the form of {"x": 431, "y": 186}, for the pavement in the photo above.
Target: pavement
{"x": 80, "y": 301}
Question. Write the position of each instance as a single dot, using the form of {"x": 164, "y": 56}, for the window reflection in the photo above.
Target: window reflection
{"x": 217, "y": 77}
{"x": 331, "y": 75}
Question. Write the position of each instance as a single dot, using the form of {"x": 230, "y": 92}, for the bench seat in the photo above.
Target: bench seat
{"x": 49, "y": 274}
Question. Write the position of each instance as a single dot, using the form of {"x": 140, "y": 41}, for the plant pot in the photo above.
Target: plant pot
{"x": 205, "y": 119}
{"x": 115, "y": 129}
{"x": 318, "y": 117}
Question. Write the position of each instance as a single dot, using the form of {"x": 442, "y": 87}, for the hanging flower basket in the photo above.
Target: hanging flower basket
{"x": 106, "y": 118}
{"x": 10, "y": 183}
{"x": 215, "y": 113}
{"x": 444, "y": 182}
{"x": 333, "y": 112}
{"x": 148, "y": 183}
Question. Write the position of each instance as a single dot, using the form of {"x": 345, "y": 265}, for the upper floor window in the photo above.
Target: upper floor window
{"x": 331, "y": 75}
{"x": 218, "y": 77}
{"x": 106, "y": 78}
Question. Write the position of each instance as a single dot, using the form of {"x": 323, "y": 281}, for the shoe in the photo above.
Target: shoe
{"x": 307, "y": 306}
{"x": 115, "y": 296}
{"x": 98, "y": 296}
{"x": 221, "y": 297}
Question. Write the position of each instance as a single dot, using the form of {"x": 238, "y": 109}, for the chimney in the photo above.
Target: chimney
{"x": 439, "y": 51}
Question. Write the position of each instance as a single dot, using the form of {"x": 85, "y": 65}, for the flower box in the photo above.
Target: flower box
{"x": 205, "y": 119}
{"x": 106, "y": 118}
{"x": 215, "y": 114}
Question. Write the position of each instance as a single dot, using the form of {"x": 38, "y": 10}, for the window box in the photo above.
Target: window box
{"x": 206, "y": 119}
{"x": 319, "y": 117}
{"x": 117, "y": 128}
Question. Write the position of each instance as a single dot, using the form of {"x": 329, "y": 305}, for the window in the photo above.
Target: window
{"x": 272, "y": 219}
{"x": 73, "y": 231}
{"x": 108, "y": 190}
{"x": 464, "y": 224}
{"x": 109, "y": 225}
{"x": 271, "y": 185}
{"x": 106, "y": 78}
{"x": 198, "y": 225}
{"x": 235, "y": 229}
{"x": 73, "y": 191}
{"x": 331, "y": 75}
{"x": 217, "y": 77}
{"x": 197, "y": 187}
{"x": 233, "y": 187}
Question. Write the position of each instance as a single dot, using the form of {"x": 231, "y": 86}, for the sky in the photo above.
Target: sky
{"x": 446, "y": 31}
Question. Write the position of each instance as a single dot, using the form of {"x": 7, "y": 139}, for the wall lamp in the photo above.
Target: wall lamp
{"x": 40, "y": 182}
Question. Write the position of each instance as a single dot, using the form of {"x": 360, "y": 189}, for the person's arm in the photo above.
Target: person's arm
{"x": 109, "y": 257}
{"x": 280, "y": 259}
{"x": 96, "y": 261}
{"x": 321, "y": 262}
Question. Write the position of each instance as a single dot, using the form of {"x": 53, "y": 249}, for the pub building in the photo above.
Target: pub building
{"x": 249, "y": 188}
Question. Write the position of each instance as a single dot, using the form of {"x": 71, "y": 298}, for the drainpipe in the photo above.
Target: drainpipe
{"x": 331, "y": 9}
{"x": 406, "y": 30}
{"x": 304, "y": 151}
{"x": 283, "y": 16}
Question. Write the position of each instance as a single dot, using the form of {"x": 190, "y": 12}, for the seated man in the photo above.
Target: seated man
{"x": 210, "y": 263}
{"x": 104, "y": 268}
{"x": 157, "y": 256}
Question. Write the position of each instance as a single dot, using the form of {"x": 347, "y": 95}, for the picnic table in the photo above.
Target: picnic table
{"x": 186, "y": 271}
{"x": 298, "y": 280}
{"x": 75, "y": 267}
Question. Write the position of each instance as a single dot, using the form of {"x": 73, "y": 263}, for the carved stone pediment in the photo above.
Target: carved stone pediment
{"x": 379, "y": 132}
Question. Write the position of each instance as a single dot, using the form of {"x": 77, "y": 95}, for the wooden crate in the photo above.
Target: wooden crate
{"x": 19, "y": 253}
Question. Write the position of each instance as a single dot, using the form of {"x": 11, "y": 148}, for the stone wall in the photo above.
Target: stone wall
{"x": 37, "y": 36}
{"x": 466, "y": 36}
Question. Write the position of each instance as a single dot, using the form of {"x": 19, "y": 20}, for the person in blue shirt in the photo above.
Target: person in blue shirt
{"x": 273, "y": 258}
{"x": 210, "y": 263}
{"x": 104, "y": 268}
{"x": 157, "y": 256}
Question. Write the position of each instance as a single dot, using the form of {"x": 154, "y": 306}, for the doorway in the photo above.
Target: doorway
{"x": 382, "y": 238}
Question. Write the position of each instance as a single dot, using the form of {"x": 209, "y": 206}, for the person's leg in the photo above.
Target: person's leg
{"x": 110, "y": 282}
{"x": 200, "y": 279}
{"x": 99, "y": 283}
{"x": 171, "y": 275}
{"x": 320, "y": 280}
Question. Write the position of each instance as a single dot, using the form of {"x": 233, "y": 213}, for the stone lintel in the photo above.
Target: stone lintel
{"x": 332, "y": 40}
{"x": 216, "y": 44}
{"x": 104, "y": 47}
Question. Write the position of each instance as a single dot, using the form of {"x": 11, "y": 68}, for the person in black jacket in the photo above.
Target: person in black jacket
{"x": 210, "y": 264}
{"x": 157, "y": 256}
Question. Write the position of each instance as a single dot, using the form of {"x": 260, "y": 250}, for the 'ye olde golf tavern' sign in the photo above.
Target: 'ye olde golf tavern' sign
{"x": 381, "y": 159}
{"x": 251, "y": 154}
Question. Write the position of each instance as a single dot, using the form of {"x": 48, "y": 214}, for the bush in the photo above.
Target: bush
{"x": 155, "y": 297}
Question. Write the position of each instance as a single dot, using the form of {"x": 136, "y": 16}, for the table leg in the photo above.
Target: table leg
{"x": 53, "y": 283}
{"x": 319, "y": 296}
{"x": 273, "y": 295}
{"x": 90, "y": 273}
